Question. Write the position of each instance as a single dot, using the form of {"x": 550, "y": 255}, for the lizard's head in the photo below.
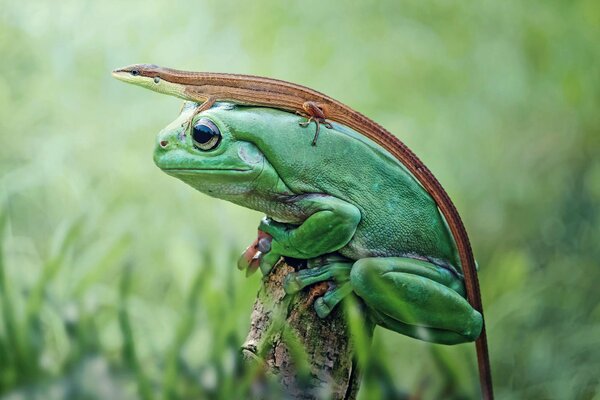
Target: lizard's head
{"x": 151, "y": 77}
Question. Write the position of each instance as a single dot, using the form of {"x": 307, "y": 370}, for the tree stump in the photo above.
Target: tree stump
{"x": 310, "y": 357}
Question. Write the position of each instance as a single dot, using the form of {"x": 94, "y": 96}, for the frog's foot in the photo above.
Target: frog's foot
{"x": 315, "y": 113}
{"x": 334, "y": 269}
{"x": 326, "y": 303}
{"x": 254, "y": 256}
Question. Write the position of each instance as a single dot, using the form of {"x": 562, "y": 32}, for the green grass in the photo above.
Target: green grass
{"x": 117, "y": 281}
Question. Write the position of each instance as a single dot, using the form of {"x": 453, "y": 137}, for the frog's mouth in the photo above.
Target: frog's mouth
{"x": 192, "y": 170}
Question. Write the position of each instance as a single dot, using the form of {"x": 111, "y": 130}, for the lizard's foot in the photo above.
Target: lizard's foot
{"x": 208, "y": 103}
{"x": 314, "y": 112}
{"x": 309, "y": 119}
{"x": 318, "y": 123}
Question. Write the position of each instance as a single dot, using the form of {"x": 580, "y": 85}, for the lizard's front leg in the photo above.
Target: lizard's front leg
{"x": 329, "y": 226}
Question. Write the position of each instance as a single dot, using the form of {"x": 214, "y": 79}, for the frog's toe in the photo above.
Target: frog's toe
{"x": 322, "y": 309}
{"x": 336, "y": 271}
{"x": 251, "y": 258}
{"x": 292, "y": 284}
{"x": 268, "y": 261}
{"x": 254, "y": 264}
{"x": 248, "y": 256}
{"x": 325, "y": 304}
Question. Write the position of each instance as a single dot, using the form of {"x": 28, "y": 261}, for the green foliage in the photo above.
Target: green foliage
{"x": 117, "y": 281}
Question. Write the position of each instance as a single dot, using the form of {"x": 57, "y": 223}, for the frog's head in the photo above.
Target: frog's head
{"x": 201, "y": 151}
{"x": 151, "y": 77}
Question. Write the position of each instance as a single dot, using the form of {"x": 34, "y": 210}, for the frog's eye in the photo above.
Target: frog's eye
{"x": 205, "y": 135}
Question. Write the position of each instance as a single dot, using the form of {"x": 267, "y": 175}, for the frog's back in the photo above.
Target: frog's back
{"x": 399, "y": 217}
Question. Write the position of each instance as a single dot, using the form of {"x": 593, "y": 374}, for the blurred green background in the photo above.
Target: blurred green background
{"x": 117, "y": 281}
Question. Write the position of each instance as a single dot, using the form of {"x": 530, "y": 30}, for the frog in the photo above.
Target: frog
{"x": 350, "y": 209}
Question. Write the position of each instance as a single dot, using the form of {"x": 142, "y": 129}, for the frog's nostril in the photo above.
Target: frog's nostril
{"x": 163, "y": 143}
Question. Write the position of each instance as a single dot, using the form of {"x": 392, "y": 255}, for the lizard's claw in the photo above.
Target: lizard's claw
{"x": 318, "y": 122}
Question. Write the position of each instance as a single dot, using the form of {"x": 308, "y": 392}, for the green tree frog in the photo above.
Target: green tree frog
{"x": 347, "y": 206}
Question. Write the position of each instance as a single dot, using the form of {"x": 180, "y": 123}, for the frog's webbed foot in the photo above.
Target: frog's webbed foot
{"x": 329, "y": 268}
{"x": 267, "y": 249}
{"x": 314, "y": 112}
{"x": 326, "y": 303}
{"x": 254, "y": 256}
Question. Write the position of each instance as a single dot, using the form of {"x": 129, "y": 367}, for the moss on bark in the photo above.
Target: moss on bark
{"x": 310, "y": 357}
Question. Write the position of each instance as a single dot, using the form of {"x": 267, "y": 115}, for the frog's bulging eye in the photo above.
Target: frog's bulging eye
{"x": 205, "y": 135}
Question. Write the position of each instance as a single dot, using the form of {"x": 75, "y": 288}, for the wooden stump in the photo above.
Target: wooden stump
{"x": 311, "y": 358}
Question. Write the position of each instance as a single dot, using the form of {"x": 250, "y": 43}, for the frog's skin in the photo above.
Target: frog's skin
{"x": 346, "y": 205}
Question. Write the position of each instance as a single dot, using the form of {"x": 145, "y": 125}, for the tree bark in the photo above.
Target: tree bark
{"x": 310, "y": 357}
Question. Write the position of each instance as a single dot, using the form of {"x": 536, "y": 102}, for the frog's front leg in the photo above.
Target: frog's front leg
{"x": 329, "y": 225}
{"x": 416, "y": 298}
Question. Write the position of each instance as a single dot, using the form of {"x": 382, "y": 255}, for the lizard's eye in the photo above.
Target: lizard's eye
{"x": 135, "y": 72}
{"x": 205, "y": 135}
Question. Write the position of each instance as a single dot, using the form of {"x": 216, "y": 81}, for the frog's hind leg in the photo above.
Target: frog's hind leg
{"x": 329, "y": 268}
{"x": 337, "y": 271}
{"x": 416, "y": 298}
